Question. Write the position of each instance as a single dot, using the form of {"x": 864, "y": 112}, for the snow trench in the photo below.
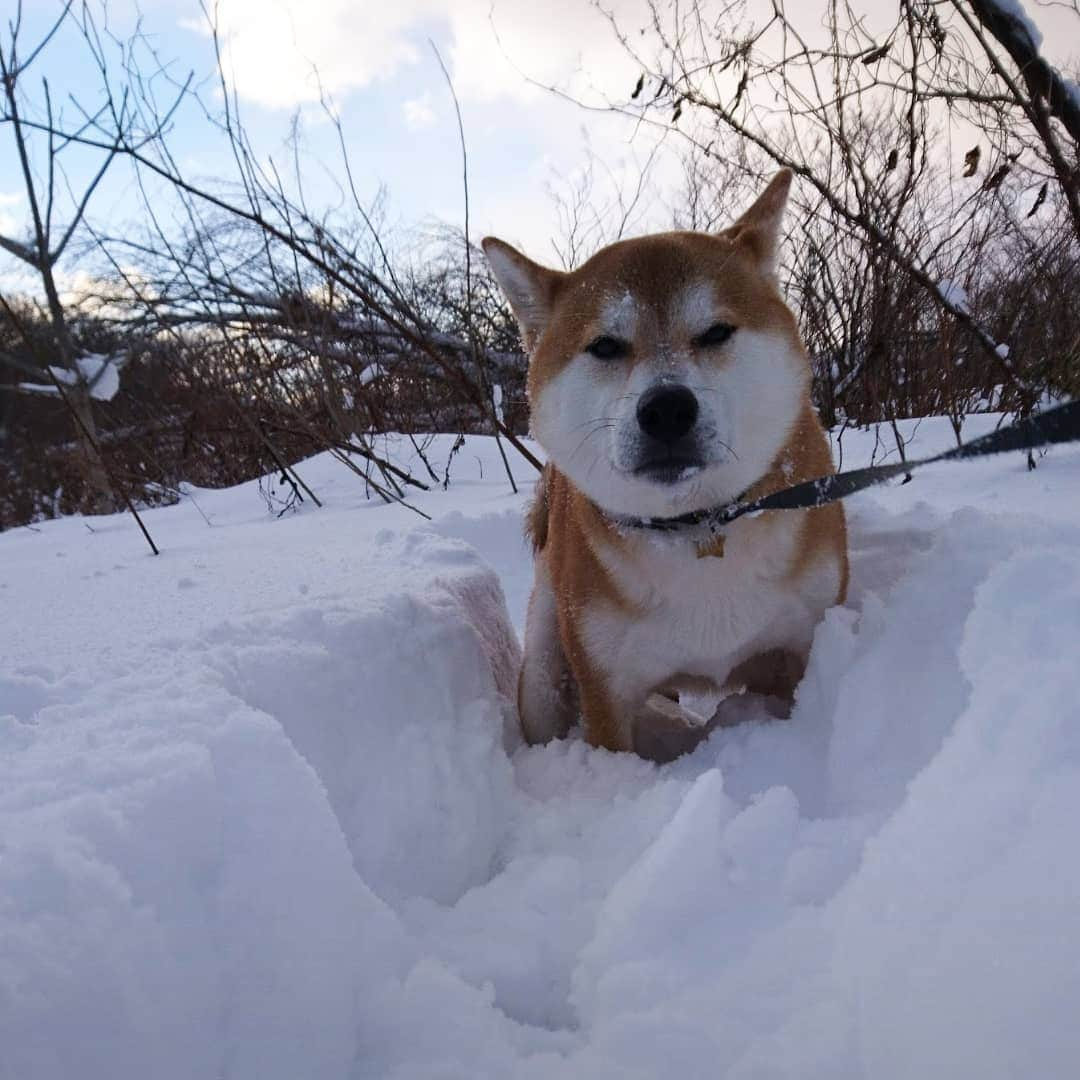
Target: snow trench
{"x": 254, "y": 830}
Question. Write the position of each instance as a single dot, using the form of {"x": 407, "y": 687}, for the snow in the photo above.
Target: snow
{"x": 1073, "y": 88}
{"x": 100, "y": 372}
{"x": 39, "y": 388}
{"x": 264, "y": 812}
{"x": 954, "y": 294}
{"x": 64, "y": 376}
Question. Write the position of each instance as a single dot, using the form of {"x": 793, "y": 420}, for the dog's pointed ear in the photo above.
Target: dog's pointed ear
{"x": 759, "y": 227}
{"x": 528, "y": 286}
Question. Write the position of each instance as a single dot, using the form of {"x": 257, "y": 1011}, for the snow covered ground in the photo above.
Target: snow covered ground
{"x": 263, "y": 813}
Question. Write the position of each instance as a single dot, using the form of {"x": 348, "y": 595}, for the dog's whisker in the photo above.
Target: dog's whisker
{"x": 588, "y": 435}
{"x": 593, "y": 420}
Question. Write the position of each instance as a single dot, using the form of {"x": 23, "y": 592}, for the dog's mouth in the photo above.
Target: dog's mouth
{"x": 670, "y": 469}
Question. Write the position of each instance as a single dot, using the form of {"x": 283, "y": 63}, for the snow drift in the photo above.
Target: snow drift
{"x": 263, "y": 811}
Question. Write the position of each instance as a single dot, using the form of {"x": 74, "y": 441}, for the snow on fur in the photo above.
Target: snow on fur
{"x": 264, "y": 813}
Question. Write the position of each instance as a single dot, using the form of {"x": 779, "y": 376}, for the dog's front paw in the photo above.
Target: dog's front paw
{"x": 665, "y": 730}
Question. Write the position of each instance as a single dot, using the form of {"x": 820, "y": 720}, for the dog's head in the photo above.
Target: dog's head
{"x": 666, "y": 373}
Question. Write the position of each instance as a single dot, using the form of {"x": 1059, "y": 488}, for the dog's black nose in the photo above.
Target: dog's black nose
{"x": 667, "y": 413}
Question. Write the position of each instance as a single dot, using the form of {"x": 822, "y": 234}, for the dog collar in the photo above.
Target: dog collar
{"x": 1058, "y": 425}
{"x": 713, "y": 518}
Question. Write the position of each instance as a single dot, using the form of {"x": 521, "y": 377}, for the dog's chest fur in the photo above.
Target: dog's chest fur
{"x": 699, "y": 617}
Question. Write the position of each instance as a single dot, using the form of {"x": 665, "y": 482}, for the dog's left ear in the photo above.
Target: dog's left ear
{"x": 528, "y": 286}
{"x": 759, "y": 227}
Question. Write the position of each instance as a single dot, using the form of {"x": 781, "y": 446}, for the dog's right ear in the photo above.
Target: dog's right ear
{"x": 528, "y": 286}
{"x": 758, "y": 230}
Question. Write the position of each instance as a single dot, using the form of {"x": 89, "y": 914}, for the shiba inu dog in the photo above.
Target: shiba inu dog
{"x": 666, "y": 375}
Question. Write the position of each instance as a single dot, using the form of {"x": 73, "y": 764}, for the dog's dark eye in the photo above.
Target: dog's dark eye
{"x": 717, "y": 334}
{"x": 607, "y": 348}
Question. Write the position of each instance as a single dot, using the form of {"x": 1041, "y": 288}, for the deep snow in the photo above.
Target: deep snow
{"x": 263, "y": 813}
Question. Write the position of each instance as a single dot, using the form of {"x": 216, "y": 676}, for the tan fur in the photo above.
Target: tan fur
{"x": 578, "y": 547}
{"x": 536, "y": 516}
{"x": 657, "y": 266}
{"x": 575, "y": 532}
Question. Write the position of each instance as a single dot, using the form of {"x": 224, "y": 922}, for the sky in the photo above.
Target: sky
{"x": 376, "y": 60}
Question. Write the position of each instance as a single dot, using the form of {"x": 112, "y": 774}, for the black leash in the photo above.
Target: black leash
{"x": 1058, "y": 425}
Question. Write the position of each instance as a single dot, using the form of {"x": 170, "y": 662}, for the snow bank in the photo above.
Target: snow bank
{"x": 262, "y": 813}
{"x": 173, "y": 885}
{"x": 196, "y": 818}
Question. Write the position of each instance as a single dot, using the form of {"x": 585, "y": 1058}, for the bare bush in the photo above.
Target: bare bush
{"x": 272, "y": 331}
{"x": 935, "y": 255}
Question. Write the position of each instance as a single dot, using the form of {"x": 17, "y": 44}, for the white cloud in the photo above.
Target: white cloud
{"x": 492, "y": 48}
{"x": 418, "y": 113}
{"x": 10, "y": 224}
{"x": 281, "y": 51}
{"x": 498, "y": 48}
